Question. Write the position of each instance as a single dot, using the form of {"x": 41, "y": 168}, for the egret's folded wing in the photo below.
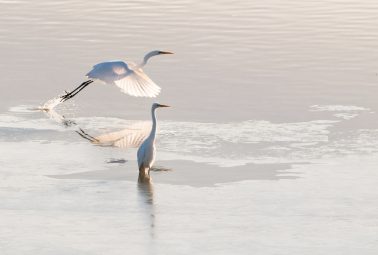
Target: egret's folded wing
{"x": 137, "y": 83}
{"x": 108, "y": 72}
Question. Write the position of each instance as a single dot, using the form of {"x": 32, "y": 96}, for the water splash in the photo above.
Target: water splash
{"x": 51, "y": 104}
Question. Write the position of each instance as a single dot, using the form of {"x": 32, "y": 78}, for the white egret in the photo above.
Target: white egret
{"x": 129, "y": 77}
{"x": 146, "y": 152}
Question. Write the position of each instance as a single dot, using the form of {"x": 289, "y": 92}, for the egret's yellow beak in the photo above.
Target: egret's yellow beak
{"x": 165, "y": 52}
{"x": 163, "y": 105}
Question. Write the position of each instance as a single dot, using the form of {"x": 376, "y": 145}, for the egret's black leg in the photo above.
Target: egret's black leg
{"x": 81, "y": 85}
{"x": 76, "y": 90}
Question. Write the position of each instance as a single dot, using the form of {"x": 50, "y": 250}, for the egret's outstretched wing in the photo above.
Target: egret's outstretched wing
{"x": 132, "y": 80}
{"x": 137, "y": 83}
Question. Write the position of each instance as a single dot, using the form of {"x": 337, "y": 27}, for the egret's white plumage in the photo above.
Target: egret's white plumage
{"x": 146, "y": 152}
{"x": 128, "y": 76}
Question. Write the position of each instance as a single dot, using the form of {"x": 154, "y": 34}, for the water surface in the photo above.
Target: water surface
{"x": 270, "y": 146}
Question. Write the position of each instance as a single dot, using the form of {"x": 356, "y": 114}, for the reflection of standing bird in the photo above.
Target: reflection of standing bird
{"x": 146, "y": 152}
{"x": 146, "y": 197}
{"x": 127, "y": 76}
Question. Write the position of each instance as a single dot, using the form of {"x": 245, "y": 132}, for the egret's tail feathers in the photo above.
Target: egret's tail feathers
{"x": 138, "y": 84}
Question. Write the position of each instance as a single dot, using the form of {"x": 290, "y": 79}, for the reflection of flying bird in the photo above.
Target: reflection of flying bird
{"x": 131, "y": 137}
{"x": 129, "y": 77}
{"x": 53, "y": 115}
{"x": 146, "y": 152}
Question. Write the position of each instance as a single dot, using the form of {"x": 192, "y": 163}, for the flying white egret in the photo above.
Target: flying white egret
{"x": 129, "y": 77}
{"x": 146, "y": 152}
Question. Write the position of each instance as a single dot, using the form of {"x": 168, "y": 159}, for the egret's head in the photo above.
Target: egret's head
{"x": 158, "y": 52}
{"x": 164, "y": 52}
{"x": 153, "y": 53}
{"x": 156, "y": 105}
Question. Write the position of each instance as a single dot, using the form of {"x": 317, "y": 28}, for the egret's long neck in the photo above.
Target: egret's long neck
{"x": 154, "y": 124}
{"x": 147, "y": 57}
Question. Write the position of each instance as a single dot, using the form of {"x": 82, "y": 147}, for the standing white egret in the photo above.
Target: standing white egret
{"x": 147, "y": 152}
{"x": 127, "y": 76}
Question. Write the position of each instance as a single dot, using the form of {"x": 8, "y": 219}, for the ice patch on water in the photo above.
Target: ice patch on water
{"x": 233, "y": 143}
{"x": 27, "y": 124}
{"x": 346, "y": 116}
{"x": 345, "y": 112}
{"x": 249, "y": 131}
{"x": 337, "y": 108}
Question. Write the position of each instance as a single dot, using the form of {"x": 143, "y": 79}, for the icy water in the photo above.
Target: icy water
{"x": 271, "y": 146}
